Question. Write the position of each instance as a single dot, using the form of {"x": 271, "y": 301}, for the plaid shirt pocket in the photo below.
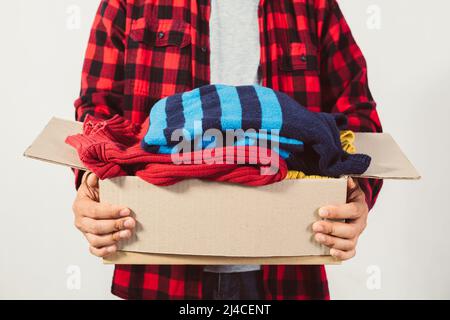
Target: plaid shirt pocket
{"x": 158, "y": 57}
{"x": 299, "y": 73}
{"x": 297, "y": 56}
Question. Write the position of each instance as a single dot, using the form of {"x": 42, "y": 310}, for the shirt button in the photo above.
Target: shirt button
{"x": 204, "y": 49}
{"x": 303, "y": 58}
{"x": 160, "y": 35}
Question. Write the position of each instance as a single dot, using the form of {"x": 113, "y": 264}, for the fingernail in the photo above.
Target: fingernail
{"x": 129, "y": 223}
{"x": 124, "y": 212}
{"x": 111, "y": 249}
{"x": 124, "y": 234}
{"x": 320, "y": 237}
{"x": 333, "y": 253}
{"x": 317, "y": 227}
{"x": 323, "y": 212}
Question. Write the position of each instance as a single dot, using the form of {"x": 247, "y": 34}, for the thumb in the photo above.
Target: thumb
{"x": 352, "y": 187}
{"x": 91, "y": 179}
{"x": 351, "y": 184}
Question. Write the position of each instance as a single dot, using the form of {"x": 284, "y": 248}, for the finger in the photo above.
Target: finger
{"x": 102, "y": 227}
{"x": 342, "y": 255}
{"x": 335, "y": 242}
{"x": 95, "y": 210}
{"x": 337, "y": 229}
{"x": 107, "y": 240}
{"x": 103, "y": 252}
{"x": 350, "y": 210}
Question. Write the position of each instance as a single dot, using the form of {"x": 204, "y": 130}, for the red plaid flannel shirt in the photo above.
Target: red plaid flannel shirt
{"x": 140, "y": 51}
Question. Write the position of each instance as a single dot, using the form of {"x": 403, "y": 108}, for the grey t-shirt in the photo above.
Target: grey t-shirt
{"x": 235, "y": 58}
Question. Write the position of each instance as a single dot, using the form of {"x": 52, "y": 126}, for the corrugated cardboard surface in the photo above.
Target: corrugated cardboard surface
{"x": 198, "y": 222}
{"x": 388, "y": 160}
{"x": 49, "y": 146}
{"x": 197, "y": 217}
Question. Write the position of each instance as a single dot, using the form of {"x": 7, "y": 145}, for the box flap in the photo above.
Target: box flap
{"x": 50, "y": 145}
{"x": 388, "y": 160}
{"x": 124, "y": 257}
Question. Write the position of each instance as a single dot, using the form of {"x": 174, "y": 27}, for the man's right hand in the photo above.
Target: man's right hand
{"x": 102, "y": 224}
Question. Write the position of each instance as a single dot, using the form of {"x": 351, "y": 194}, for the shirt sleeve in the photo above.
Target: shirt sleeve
{"x": 344, "y": 80}
{"x": 102, "y": 80}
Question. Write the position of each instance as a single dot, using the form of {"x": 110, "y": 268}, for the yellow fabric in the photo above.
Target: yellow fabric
{"x": 292, "y": 174}
{"x": 347, "y": 142}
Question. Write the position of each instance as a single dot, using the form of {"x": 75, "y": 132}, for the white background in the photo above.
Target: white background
{"x": 404, "y": 253}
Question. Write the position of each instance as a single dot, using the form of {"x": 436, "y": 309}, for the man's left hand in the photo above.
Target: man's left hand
{"x": 342, "y": 237}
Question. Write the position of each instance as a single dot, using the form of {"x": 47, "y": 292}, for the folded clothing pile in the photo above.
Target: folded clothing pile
{"x": 274, "y": 126}
{"x": 308, "y": 141}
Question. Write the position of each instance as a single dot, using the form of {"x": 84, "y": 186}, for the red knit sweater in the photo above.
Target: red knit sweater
{"x": 111, "y": 148}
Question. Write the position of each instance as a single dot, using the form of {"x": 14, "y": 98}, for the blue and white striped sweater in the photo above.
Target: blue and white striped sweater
{"x": 307, "y": 141}
{"x": 218, "y": 107}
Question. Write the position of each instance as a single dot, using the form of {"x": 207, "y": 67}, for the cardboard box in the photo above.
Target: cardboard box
{"x": 202, "y": 222}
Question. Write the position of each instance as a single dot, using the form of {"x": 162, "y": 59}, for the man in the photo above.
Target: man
{"x": 143, "y": 50}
